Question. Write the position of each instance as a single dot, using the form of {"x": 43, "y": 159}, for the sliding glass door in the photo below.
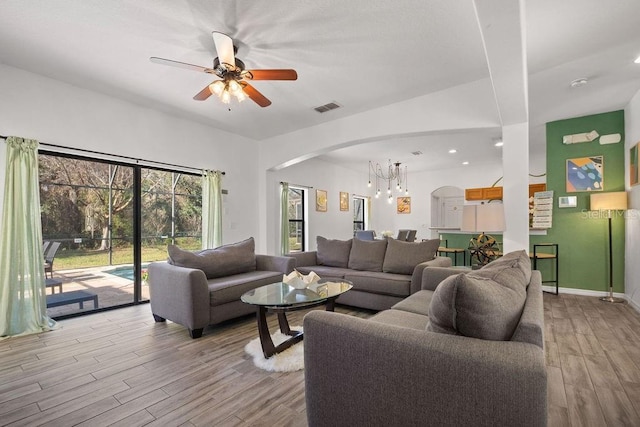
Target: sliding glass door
{"x": 107, "y": 221}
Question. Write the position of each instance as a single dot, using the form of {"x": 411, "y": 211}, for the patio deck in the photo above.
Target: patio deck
{"x": 111, "y": 290}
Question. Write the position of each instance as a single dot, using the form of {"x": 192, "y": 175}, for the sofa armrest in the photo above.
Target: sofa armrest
{"x": 432, "y": 276}
{"x": 404, "y": 376}
{"x": 283, "y": 264}
{"x": 418, "y": 271}
{"x": 179, "y": 294}
{"x": 304, "y": 258}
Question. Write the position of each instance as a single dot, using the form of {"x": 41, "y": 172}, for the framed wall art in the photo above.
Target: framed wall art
{"x": 404, "y": 205}
{"x": 344, "y": 201}
{"x": 633, "y": 164}
{"x": 321, "y": 200}
{"x": 585, "y": 174}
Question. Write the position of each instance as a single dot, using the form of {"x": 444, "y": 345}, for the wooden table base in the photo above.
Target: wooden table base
{"x": 268, "y": 348}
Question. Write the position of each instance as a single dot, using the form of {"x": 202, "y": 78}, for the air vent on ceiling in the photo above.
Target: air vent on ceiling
{"x": 416, "y": 153}
{"x": 327, "y": 107}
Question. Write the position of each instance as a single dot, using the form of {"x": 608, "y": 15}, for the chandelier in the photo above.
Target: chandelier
{"x": 393, "y": 172}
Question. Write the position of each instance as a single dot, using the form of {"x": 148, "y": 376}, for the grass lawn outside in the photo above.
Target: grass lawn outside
{"x": 67, "y": 259}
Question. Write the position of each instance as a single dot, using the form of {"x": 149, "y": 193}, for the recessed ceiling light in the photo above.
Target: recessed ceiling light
{"x": 465, "y": 163}
{"x": 499, "y": 144}
{"x": 637, "y": 61}
{"x": 579, "y": 82}
{"x": 453, "y": 150}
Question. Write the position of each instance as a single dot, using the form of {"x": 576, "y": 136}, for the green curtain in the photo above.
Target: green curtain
{"x": 23, "y": 308}
{"x": 284, "y": 218}
{"x": 211, "y": 209}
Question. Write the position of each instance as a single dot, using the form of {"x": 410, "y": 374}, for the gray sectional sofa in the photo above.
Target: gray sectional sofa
{"x": 467, "y": 349}
{"x": 383, "y": 272}
{"x": 197, "y": 289}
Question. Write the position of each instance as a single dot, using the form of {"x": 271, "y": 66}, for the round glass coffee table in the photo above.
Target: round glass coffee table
{"x": 281, "y": 298}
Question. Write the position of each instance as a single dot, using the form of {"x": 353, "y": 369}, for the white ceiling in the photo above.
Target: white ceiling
{"x": 362, "y": 54}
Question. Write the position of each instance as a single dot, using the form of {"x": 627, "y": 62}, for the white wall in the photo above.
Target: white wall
{"x": 333, "y": 224}
{"x": 338, "y": 225}
{"x": 50, "y": 111}
{"x": 632, "y": 237}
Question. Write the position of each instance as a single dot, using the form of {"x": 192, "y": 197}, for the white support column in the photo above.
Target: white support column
{"x": 515, "y": 165}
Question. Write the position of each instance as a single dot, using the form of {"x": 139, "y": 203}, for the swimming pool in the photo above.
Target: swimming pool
{"x": 125, "y": 271}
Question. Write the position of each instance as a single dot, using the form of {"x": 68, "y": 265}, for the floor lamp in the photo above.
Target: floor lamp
{"x": 616, "y": 201}
{"x": 481, "y": 219}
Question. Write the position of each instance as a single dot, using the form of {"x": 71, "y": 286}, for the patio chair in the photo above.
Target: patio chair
{"x": 411, "y": 237}
{"x": 49, "y": 256}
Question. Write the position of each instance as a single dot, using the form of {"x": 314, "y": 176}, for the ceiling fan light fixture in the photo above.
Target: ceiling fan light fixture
{"x": 240, "y": 95}
{"x": 637, "y": 60}
{"x": 225, "y": 97}
{"x": 234, "y": 87}
{"x": 217, "y": 87}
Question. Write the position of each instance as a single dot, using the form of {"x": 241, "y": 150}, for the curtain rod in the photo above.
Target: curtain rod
{"x": 296, "y": 185}
{"x": 82, "y": 150}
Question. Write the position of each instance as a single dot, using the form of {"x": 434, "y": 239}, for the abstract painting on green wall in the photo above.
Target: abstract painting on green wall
{"x": 633, "y": 164}
{"x": 585, "y": 174}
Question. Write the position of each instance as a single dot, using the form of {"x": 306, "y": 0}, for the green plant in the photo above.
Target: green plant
{"x": 145, "y": 275}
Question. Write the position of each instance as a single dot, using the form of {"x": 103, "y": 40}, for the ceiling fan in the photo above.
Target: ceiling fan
{"x": 233, "y": 74}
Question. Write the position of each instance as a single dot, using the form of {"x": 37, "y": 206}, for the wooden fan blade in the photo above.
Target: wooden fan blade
{"x": 224, "y": 48}
{"x": 285, "y": 74}
{"x": 181, "y": 65}
{"x": 256, "y": 96}
{"x": 203, "y": 94}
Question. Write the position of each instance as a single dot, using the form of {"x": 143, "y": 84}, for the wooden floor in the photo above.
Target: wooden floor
{"x": 120, "y": 368}
{"x": 593, "y": 360}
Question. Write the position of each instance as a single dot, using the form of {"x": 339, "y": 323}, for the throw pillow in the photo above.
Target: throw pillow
{"x": 402, "y": 257}
{"x": 333, "y": 253}
{"x": 477, "y": 306}
{"x": 222, "y": 261}
{"x": 367, "y": 255}
{"x": 518, "y": 261}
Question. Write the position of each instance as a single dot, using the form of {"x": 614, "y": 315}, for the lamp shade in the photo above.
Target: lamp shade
{"x": 483, "y": 218}
{"x": 609, "y": 201}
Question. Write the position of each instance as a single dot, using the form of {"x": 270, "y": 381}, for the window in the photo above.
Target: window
{"x": 359, "y": 214}
{"x": 297, "y": 224}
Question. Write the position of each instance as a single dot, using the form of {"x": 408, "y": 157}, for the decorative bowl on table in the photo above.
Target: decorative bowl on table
{"x": 299, "y": 280}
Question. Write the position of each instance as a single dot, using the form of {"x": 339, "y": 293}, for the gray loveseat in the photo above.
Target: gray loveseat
{"x": 197, "y": 289}
{"x": 470, "y": 353}
{"x": 383, "y": 272}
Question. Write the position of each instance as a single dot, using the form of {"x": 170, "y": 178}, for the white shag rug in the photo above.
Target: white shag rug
{"x": 292, "y": 359}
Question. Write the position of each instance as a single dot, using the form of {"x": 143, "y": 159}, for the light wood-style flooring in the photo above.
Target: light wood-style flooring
{"x": 593, "y": 362}
{"x": 121, "y": 368}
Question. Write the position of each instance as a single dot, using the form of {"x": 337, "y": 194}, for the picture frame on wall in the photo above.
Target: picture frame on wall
{"x": 344, "y": 201}
{"x": 403, "y": 205}
{"x": 634, "y": 177}
{"x": 585, "y": 174}
{"x": 321, "y": 200}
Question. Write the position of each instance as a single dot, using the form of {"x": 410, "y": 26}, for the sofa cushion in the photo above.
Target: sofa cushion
{"x": 485, "y": 305}
{"x": 222, "y": 261}
{"x": 224, "y": 290}
{"x": 417, "y": 303}
{"x": 367, "y": 255}
{"x": 400, "y": 318}
{"x": 325, "y": 271}
{"x": 380, "y": 283}
{"x": 333, "y": 253}
{"x": 402, "y": 257}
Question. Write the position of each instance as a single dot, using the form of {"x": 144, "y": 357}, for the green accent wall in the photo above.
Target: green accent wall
{"x": 582, "y": 235}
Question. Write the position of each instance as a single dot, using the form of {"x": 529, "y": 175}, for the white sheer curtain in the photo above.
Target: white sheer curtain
{"x": 284, "y": 218}
{"x": 23, "y": 307}
{"x": 211, "y": 209}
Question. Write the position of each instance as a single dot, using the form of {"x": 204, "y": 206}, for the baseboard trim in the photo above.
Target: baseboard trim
{"x": 589, "y": 293}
